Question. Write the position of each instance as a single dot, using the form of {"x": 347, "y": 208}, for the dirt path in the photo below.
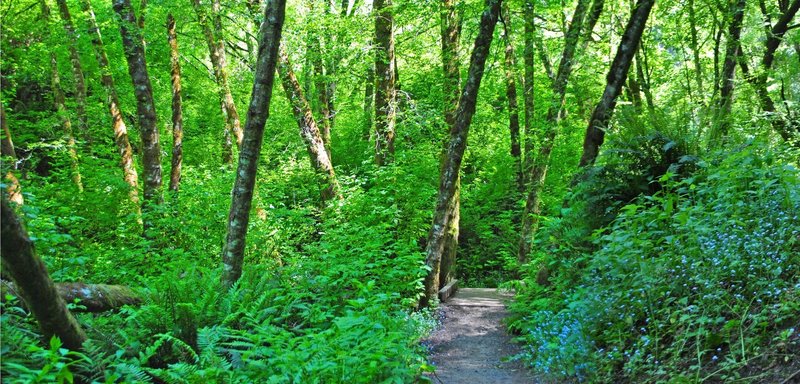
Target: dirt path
{"x": 471, "y": 343}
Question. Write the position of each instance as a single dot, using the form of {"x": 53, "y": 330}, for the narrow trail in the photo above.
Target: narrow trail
{"x": 471, "y": 344}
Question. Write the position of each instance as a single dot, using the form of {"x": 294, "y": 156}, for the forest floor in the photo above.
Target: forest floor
{"x": 471, "y": 344}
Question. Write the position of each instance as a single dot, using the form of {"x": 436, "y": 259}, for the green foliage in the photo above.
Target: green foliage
{"x": 697, "y": 280}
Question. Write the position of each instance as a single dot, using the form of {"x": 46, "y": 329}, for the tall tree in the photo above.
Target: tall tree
{"x": 723, "y": 111}
{"x": 257, "y": 114}
{"x": 759, "y": 80}
{"x": 309, "y": 131}
{"x": 385, "y": 90}
{"x": 511, "y": 95}
{"x": 33, "y": 282}
{"x": 59, "y": 102}
{"x": 112, "y": 102}
{"x": 538, "y": 170}
{"x": 216, "y": 48}
{"x": 527, "y": 88}
{"x": 77, "y": 70}
{"x": 177, "y": 109}
{"x": 145, "y": 106}
{"x": 615, "y": 79}
{"x": 451, "y": 86}
{"x": 448, "y": 180}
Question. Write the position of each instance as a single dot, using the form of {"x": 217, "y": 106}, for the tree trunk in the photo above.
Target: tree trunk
{"x": 177, "y": 110}
{"x": 320, "y": 159}
{"x": 145, "y": 106}
{"x": 591, "y": 21}
{"x": 369, "y": 101}
{"x": 77, "y": 71}
{"x": 527, "y": 90}
{"x": 13, "y": 189}
{"x": 511, "y": 95}
{"x": 386, "y": 92}
{"x": 92, "y": 297}
{"x": 34, "y": 284}
{"x": 448, "y": 181}
{"x": 257, "y": 114}
{"x": 216, "y": 49}
{"x": 117, "y": 124}
{"x": 595, "y": 132}
{"x": 538, "y": 169}
{"x": 451, "y": 86}
{"x": 61, "y": 109}
{"x": 695, "y": 45}
{"x": 722, "y": 120}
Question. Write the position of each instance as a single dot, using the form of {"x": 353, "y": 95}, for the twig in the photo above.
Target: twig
{"x": 792, "y": 376}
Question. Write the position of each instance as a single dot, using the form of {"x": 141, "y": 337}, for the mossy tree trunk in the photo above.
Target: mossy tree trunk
{"x": 385, "y": 90}
{"x": 177, "y": 109}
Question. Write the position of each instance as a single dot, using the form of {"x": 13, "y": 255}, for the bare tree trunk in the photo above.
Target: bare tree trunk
{"x": 448, "y": 181}
{"x": 511, "y": 95}
{"x": 450, "y": 31}
{"x": 257, "y": 114}
{"x": 527, "y": 90}
{"x": 538, "y": 170}
{"x": 595, "y": 133}
{"x": 34, "y": 284}
{"x": 117, "y": 124}
{"x": 369, "y": 101}
{"x": 216, "y": 48}
{"x": 61, "y": 109}
{"x": 320, "y": 159}
{"x": 725, "y": 102}
{"x": 13, "y": 188}
{"x": 386, "y": 91}
{"x": 93, "y": 297}
{"x": 77, "y": 70}
{"x": 145, "y": 106}
{"x": 695, "y": 45}
{"x": 177, "y": 110}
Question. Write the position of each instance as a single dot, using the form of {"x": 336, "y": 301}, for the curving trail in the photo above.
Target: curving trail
{"x": 472, "y": 342}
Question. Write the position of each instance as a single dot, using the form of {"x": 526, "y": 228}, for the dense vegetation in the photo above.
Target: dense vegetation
{"x": 672, "y": 256}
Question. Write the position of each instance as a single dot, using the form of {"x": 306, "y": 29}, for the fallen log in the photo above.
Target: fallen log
{"x": 91, "y": 297}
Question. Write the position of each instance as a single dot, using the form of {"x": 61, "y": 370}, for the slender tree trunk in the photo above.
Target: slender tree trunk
{"x": 386, "y": 91}
{"x": 595, "y": 133}
{"x": 759, "y": 81}
{"x": 177, "y": 110}
{"x": 369, "y": 101}
{"x": 527, "y": 90}
{"x": 216, "y": 49}
{"x": 320, "y": 159}
{"x": 257, "y": 114}
{"x": 117, "y": 124}
{"x": 145, "y": 106}
{"x": 511, "y": 95}
{"x": 695, "y": 45}
{"x": 450, "y": 31}
{"x": 448, "y": 181}
{"x": 34, "y": 284}
{"x": 321, "y": 87}
{"x": 591, "y": 21}
{"x": 725, "y": 102}
{"x": 61, "y": 108}
{"x": 77, "y": 71}
{"x": 13, "y": 188}
{"x": 538, "y": 170}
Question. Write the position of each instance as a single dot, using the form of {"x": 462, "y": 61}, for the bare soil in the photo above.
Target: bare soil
{"x": 472, "y": 345}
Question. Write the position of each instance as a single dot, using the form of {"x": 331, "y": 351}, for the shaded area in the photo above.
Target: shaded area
{"x": 472, "y": 344}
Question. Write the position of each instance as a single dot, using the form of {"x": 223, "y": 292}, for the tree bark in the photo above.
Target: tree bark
{"x": 92, "y": 297}
{"x": 511, "y": 95}
{"x": 448, "y": 180}
{"x": 20, "y": 261}
{"x": 451, "y": 86}
{"x": 61, "y": 109}
{"x": 216, "y": 49}
{"x": 13, "y": 188}
{"x": 177, "y": 109}
{"x": 386, "y": 91}
{"x": 369, "y": 101}
{"x": 538, "y": 169}
{"x": 595, "y": 132}
{"x": 77, "y": 70}
{"x": 309, "y": 131}
{"x": 695, "y": 45}
{"x": 112, "y": 101}
{"x": 145, "y": 106}
{"x": 257, "y": 114}
{"x": 728, "y": 70}
{"x": 527, "y": 89}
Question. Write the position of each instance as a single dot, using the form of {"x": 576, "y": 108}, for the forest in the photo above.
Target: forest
{"x": 248, "y": 191}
